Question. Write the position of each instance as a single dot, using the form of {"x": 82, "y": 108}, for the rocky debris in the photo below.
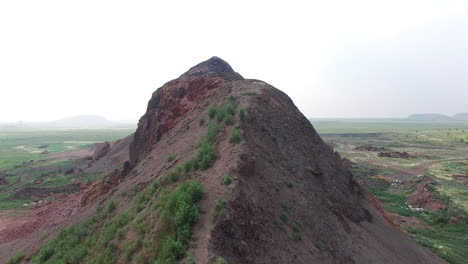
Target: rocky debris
{"x": 424, "y": 198}
{"x": 117, "y": 154}
{"x": 104, "y": 185}
{"x": 38, "y": 181}
{"x": 3, "y": 181}
{"x": 101, "y": 150}
{"x": 73, "y": 171}
{"x": 394, "y": 154}
{"x": 43, "y": 146}
{"x": 369, "y": 148}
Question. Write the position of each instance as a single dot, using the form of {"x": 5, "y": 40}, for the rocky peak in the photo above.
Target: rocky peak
{"x": 214, "y": 67}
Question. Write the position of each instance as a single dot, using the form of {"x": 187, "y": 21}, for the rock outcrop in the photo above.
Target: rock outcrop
{"x": 394, "y": 155}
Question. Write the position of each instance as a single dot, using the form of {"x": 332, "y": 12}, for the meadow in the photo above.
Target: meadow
{"x": 25, "y": 160}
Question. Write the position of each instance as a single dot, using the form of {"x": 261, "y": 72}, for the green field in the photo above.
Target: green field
{"x": 25, "y": 159}
{"x": 438, "y": 154}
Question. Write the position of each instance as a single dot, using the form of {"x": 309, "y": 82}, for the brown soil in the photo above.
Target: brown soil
{"x": 463, "y": 178}
{"x": 424, "y": 198}
{"x": 281, "y": 166}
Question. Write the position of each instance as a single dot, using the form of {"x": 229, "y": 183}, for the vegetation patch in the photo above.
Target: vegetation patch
{"x": 17, "y": 258}
{"x": 219, "y": 209}
{"x": 227, "y": 179}
{"x": 235, "y": 136}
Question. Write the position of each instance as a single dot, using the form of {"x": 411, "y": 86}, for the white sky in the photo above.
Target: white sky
{"x": 334, "y": 58}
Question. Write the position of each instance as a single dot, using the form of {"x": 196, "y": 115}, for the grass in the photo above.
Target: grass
{"x": 171, "y": 157}
{"x": 227, "y": 179}
{"x": 242, "y": 114}
{"x": 219, "y": 209}
{"x": 235, "y": 136}
{"x": 17, "y": 258}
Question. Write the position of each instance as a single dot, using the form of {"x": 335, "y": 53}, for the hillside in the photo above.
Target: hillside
{"x": 224, "y": 169}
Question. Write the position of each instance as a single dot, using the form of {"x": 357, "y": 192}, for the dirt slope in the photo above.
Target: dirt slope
{"x": 291, "y": 199}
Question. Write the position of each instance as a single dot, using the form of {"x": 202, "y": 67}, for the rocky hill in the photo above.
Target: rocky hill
{"x": 224, "y": 169}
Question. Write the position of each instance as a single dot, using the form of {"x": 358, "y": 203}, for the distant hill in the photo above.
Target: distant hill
{"x": 430, "y": 117}
{"x": 81, "y": 121}
{"x": 461, "y": 116}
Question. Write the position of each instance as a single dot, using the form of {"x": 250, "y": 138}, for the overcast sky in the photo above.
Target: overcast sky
{"x": 334, "y": 58}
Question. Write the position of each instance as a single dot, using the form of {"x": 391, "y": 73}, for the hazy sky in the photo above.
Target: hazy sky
{"x": 334, "y": 58}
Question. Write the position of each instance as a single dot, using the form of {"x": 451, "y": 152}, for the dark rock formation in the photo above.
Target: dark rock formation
{"x": 395, "y": 155}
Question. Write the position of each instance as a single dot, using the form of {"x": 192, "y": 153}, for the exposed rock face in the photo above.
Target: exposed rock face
{"x": 395, "y": 155}
{"x": 175, "y": 99}
{"x": 101, "y": 150}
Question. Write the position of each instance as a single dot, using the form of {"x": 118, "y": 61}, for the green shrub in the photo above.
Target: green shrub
{"x": 228, "y": 120}
{"x": 249, "y": 93}
{"x": 111, "y": 206}
{"x": 296, "y": 237}
{"x": 179, "y": 214}
{"x": 290, "y": 184}
{"x": 320, "y": 245}
{"x": 218, "y": 210}
{"x": 171, "y": 157}
{"x": 201, "y": 121}
{"x": 235, "y": 136}
{"x": 227, "y": 179}
{"x": 242, "y": 114}
{"x": 221, "y": 260}
{"x": 212, "y": 112}
{"x": 227, "y": 110}
{"x": 17, "y": 258}
{"x": 284, "y": 217}
{"x": 296, "y": 227}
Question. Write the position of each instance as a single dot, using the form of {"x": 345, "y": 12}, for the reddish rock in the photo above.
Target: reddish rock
{"x": 176, "y": 98}
{"x": 424, "y": 198}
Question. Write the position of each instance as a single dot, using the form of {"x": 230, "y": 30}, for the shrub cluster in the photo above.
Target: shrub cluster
{"x": 179, "y": 213}
{"x": 218, "y": 210}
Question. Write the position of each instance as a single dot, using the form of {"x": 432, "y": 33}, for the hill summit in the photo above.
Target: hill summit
{"x": 224, "y": 169}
